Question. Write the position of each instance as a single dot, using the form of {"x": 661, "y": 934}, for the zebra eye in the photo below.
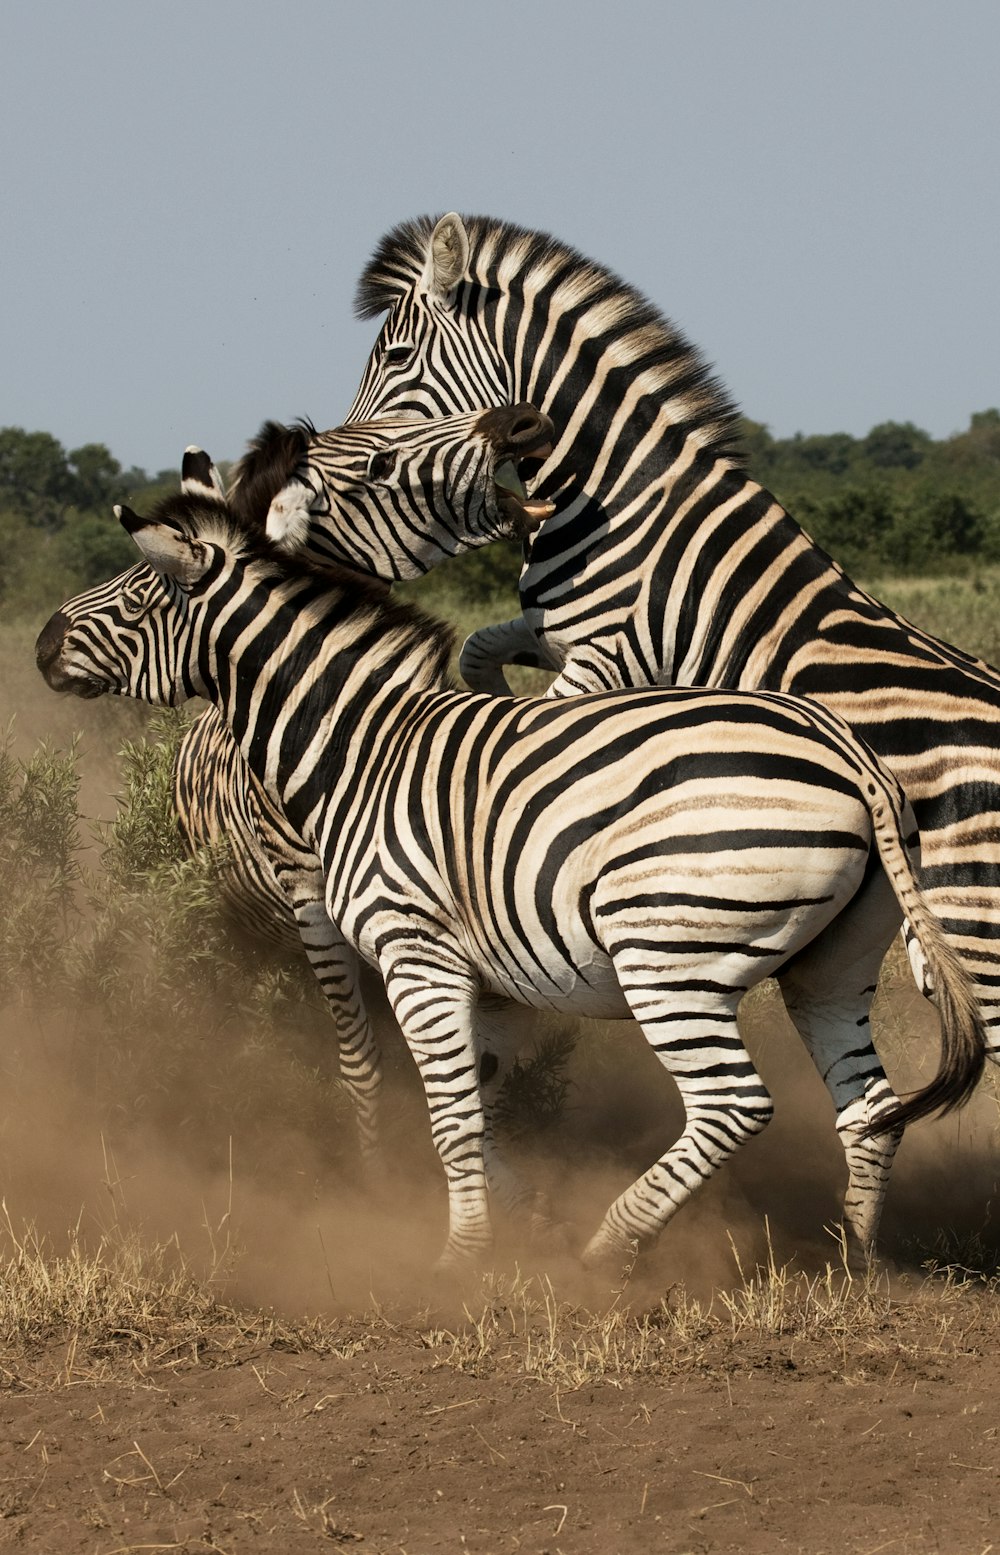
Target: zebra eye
{"x": 380, "y": 465}
{"x": 134, "y": 600}
{"x": 399, "y": 353}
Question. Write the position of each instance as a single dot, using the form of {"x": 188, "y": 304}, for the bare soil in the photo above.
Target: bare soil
{"x": 386, "y": 1446}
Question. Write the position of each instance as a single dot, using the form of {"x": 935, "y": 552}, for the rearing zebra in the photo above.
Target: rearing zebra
{"x": 664, "y": 562}
{"x": 649, "y": 854}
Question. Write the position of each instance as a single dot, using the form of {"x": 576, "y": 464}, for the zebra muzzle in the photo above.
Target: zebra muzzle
{"x": 518, "y": 433}
{"x": 48, "y": 650}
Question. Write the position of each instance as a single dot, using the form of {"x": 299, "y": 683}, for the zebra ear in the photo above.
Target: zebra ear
{"x": 447, "y": 256}
{"x": 199, "y": 477}
{"x": 168, "y": 551}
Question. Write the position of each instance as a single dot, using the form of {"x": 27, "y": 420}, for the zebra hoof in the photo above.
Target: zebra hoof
{"x": 610, "y": 1256}
{"x": 461, "y": 1263}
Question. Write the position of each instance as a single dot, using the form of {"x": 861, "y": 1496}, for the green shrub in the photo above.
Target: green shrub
{"x": 39, "y": 870}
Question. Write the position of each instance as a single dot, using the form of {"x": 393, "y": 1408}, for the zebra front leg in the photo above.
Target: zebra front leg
{"x": 435, "y": 1007}
{"x": 725, "y": 1104}
{"x": 484, "y": 654}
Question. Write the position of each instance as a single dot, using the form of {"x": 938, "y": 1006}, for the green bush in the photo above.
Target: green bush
{"x": 167, "y": 1018}
{"x": 39, "y": 869}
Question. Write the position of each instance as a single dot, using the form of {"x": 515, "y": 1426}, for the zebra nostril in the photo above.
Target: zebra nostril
{"x": 529, "y": 427}
{"x": 50, "y": 639}
{"x": 516, "y": 429}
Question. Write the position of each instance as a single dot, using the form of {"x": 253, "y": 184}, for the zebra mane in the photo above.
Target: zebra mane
{"x": 268, "y": 465}
{"x": 221, "y": 523}
{"x": 502, "y": 251}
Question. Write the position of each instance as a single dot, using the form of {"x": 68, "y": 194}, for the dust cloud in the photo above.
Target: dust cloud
{"x": 272, "y": 1210}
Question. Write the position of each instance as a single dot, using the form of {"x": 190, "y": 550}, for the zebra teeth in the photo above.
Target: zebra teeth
{"x": 506, "y": 477}
{"x": 539, "y": 510}
{"x": 522, "y": 514}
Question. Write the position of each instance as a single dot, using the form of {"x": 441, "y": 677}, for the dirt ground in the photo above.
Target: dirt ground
{"x": 386, "y": 1447}
{"x": 407, "y": 1431}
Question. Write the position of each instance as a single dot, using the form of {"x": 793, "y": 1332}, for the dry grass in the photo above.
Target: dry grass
{"x": 128, "y": 1305}
{"x": 522, "y": 1325}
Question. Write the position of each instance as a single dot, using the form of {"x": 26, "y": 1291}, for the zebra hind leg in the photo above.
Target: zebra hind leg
{"x": 828, "y": 992}
{"x": 335, "y": 968}
{"x": 835, "y": 1032}
{"x": 725, "y": 1104}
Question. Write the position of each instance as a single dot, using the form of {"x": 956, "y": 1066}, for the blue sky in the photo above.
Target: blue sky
{"x": 810, "y": 191}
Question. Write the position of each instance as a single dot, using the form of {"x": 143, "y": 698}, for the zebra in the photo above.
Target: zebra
{"x": 651, "y": 854}
{"x": 359, "y": 495}
{"x": 663, "y": 561}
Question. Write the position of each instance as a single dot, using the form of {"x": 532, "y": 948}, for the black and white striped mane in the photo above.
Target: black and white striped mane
{"x": 648, "y": 342}
{"x": 269, "y": 463}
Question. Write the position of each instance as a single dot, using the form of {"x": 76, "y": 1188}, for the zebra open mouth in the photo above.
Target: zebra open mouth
{"x": 521, "y": 514}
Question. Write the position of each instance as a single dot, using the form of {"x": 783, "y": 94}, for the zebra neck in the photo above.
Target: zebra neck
{"x": 692, "y": 562}
{"x": 299, "y": 676}
{"x": 615, "y": 415}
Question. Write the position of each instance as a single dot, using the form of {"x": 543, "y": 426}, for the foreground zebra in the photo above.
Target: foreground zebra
{"x": 663, "y": 561}
{"x": 646, "y": 854}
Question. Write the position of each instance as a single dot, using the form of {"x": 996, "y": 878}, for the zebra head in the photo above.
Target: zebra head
{"x": 435, "y": 336}
{"x": 134, "y": 636}
{"x": 396, "y": 496}
{"x": 483, "y": 312}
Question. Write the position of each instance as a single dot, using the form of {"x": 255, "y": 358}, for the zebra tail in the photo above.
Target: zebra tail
{"x": 963, "y": 1035}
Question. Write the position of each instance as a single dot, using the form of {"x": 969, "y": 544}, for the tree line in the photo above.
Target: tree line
{"x": 57, "y": 529}
{"x": 896, "y": 500}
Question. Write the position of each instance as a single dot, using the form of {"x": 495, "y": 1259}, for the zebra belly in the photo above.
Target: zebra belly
{"x": 591, "y": 989}
{"x": 670, "y": 922}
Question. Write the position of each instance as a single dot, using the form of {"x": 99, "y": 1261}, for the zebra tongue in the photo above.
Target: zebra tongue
{"x": 531, "y": 511}
{"x": 506, "y": 477}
